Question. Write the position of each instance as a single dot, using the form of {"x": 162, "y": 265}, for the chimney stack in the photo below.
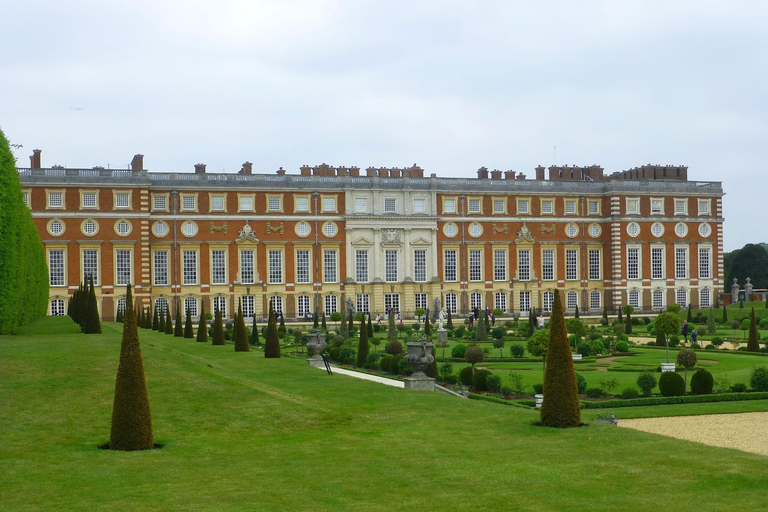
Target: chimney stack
{"x": 137, "y": 164}
{"x": 247, "y": 168}
{"x": 482, "y": 173}
{"x": 34, "y": 160}
{"x": 199, "y": 168}
{"x": 281, "y": 172}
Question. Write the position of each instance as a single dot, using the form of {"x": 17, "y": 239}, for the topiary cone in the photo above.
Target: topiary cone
{"x": 272, "y": 342}
{"x": 168, "y": 322}
{"x": 131, "y": 416}
{"x": 189, "y": 332}
{"x": 218, "y": 328}
{"x": 178, "y": 329}
{"x": 161, "y": 322}
{"x": 561, "y": 406}
{"x": 753, "y": 345}
{"x": 254, "y": 333}
{"x": 202, "y": 327}
{"x": 241, "y": 340}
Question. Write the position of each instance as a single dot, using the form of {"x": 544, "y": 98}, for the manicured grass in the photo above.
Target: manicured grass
{"x": 684, "y": 409}
{"x": 242, "y": 432}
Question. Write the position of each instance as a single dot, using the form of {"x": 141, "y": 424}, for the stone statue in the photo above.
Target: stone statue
{"x": 441, "y": 318}
{"x": 351, "y": 307}
{"x": 436, "y": 304}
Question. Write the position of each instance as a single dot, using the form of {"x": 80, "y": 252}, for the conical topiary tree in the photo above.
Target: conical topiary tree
{"x": 369, "y": 327}
{"x": 272, "y": 342}
{"x": 315, "y": 320}
{"x": 131, "y": 416}
{"x": 561, "y": 406}
{"x": 450, "y": 320}
{"x": 218, "y": 328}
{"x": 189, "y": 332}
{"x": 628, "y": 322}
{"x": 725, "y": 315}
{"x": 234, "y": 327}
{"x": 155, "y": 319}
{"x": 92, "y": 322}
{"x": 325, "y": 325}
{"x": 119, "y": 316}
{"x": 391, "y": 329}
{"x": 178, "y": 329}
{"x": 753, "y": 344}
{"x": 576, "y": 311}
{"x": 202, "y": 327}
{"x": 168, "y": 322}
{"x": 605, "y": 315}
{"x": 241, "y": 340}
{"x": 362, "y": 345}
{"x": 148, "y": 318}
{"x": 621, "y": 318}
{"x": 254, "y": 333}
{"x": 481, "y": 334}
{"x": 161, "y": 321}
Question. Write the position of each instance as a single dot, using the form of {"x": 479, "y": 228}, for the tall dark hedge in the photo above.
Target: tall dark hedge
{"x": 92, "y": 324}
{"x": 241, "y": 340}
{"x": 168, "y": 322}
{"x": 23, "y": 266}
{"x": 753, "y": 344}
{"x": 161, "y": 322}
{"x": 369, "y": 327}
{"x": 561, "y": 406}
{"x": 189, "y": 332}
{"x": 155, "y": 319}
{"x": 202, "y": 326}
{"x": 131, "y": 416}
{"x": 272, "y": 342}
{"x": 255, "y": 333}
{"x": 362, "y": 346}
{"x": 218, "y": 328}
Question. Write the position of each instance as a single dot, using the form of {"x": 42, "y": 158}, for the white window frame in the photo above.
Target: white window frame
{"x": 275, "y": 266}
{"x": 450, "y": 265}
{"x": 57, "y": 267}
{"x": 420, "y": 265}
{"x": 657, "y": 264}
{"x": 219, "y": 266}
{"x": 330, "y": 266}
{"x": 632, "y": 206}
{"x": 160, "y": 267}
{"x": 595, "y": 264}
{"x": 681, "y": 206}
{"x": 523, "y": 264}
{"x": 475, "y": 265}
{"x": 548, "y": 264}
{"x": 499, "y": 264}
{"x": 303, "y": 265}
{"x": 391, "y": 266}
{"x": 189, "y": 270}
{"x": 361, "y": 266}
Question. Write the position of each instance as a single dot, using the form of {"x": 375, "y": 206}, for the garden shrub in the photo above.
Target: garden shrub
{"x": 636, "y": 321}
{"x": 622, "y": 337}
{"x": 507, "y": 390}
{"x": 702, "y": 382}
{"x": 479, "y": 380}
{"x": 739, "y": 387}
{"x": 584, "y": 349}
{"x": 646, "y": 320}
{"x": 538, "y": 388}
{"x": 594, "y": 392}
{"x": 394, "y": 364}
{"x": 517, "y": 387}
{"x": 459, "y": 331}
{"x": 759, "y": 378}
{"x": 709, "y": 347}
{"x": 465, "y": 376}
{"x": 674, "y": 340}
{"x": 493, "y": 383}
{"x": 622, "y": 346}
{"x": 695, "y": 346}
{"x": 517, "y": 350}
{"x": 628, "y": 393}
{"x": 458, "y": 351}
{"x": 384, "y": 362}
{"x": 445, "y": 370}
{"x": 346, "y": 355}
{"x": 597, "y": 347}
{"x": 646, "y": 382}
{"x": 403, "y": 368}
{"x": 394, "y": 348}
{"x": 451, "y": 379}
{"x": 671, "y": 384}
{"x": 735, "y": 324}
{"x": 581, "y": 382}
{"x": 717, "y": 341}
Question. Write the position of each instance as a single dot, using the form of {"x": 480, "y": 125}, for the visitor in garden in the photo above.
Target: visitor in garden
{"x": 694, "y": 336}
{"x": 685, "y": 331}
{"x": 471, "y": 319}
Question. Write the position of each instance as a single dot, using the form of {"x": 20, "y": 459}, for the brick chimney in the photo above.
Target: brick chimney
{"x": 34, "y": 160}
{"x": 281, "y": 172}
{"x": 137, "y": 164}
{"x": 495, "y": 174}
{"x": 482, "y": 173}
{"x": 199, "y": 168}
{"x": 540, "y": 173}
{"x": 247, "y": 168}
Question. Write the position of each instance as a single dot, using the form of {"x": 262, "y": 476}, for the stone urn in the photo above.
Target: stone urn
{"x": 419, "y": 357}
{"x": 315, "y": 345}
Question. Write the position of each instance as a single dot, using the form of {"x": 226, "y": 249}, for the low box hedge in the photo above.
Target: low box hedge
{"x": 497, "y": 400}
{"x": 687, "y": 399}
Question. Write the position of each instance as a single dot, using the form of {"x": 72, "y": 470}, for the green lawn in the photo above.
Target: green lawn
{"x": 245, "y": 433}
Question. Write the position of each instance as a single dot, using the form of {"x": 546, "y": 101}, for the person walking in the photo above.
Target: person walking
{"x": 685, "y": 331}
{"x": 694, "y": 336}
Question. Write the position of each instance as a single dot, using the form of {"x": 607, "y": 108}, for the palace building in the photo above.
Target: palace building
{"x": 384, "y": 238}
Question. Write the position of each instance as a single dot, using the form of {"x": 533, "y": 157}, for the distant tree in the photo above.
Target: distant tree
{"x": 450, "y": 320}
{"x": 725, "y": 315}
{"x": 605, "y": 314}
{"x": 362, "y": 345}
{"x": 687, "y": 359}
{"x": 576, "y": 312}
{"x": 481, "y": 334}
{"x": 750, "y": 261}
{"x": 531, "y": 328}
{"x": 578, "y": 328}
{"x": 241, "y": 340}
{"x": 753, "y": 343}
{"x": 272, "y": 342}
{"x": 375, "y": 341}
{"x": 391, "y": 329}
{"x": 621, "y": 318}
{"x": 131, "y": 417}
{"x": 499, "y": 343}
{"x": 538, "y": 344}
{"x": 561, "y": 407}
{"x": 646, "y": 382}
{"x": 689, "y": 318}
{"x": 189, "y": 332}
{"x": 369, "y": 327}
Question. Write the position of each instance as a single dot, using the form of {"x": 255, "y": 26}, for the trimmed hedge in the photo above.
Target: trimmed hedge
{"x": 702, "y": 382}
{"x": 497, "y": 400}
{"x": 668, "y": 400}
{"x": 671, "y": 384}
{"x": 23, "y": 266}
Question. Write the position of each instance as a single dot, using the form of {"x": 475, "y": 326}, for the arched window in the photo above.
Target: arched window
{"x": 500, "y": 301}
{"x": 451, "y": 303}
{"x": 549, "y": 298}
{"x": 634, "y": 298}
{"x": 331, "y": 304}
{"x": 571, "y": 300}
{"x": 121, "y": 306}
{"x": 220, "y": 304}
{"x": 475, "y": 301}
{"x": 594, "y": 300}
{"x": 161, "y": 305}
{"x": 190, "y": 305}
{"x": 658, "y": 299}
{"x": 302, "y": 306}
{"x": 705, "y": 298}
{"x": 277, "y": 304}
{"x": 682, "y": 297}
{"x": 57, "y": 307}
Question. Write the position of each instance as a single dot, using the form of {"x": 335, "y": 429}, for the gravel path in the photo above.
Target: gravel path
{"x": 744, "y": 431}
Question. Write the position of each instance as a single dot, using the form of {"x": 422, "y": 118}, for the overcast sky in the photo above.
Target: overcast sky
{"x": 449, "y": 85}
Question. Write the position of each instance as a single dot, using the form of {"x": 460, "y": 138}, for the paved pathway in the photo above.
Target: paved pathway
{"x": 365, "y": 376}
